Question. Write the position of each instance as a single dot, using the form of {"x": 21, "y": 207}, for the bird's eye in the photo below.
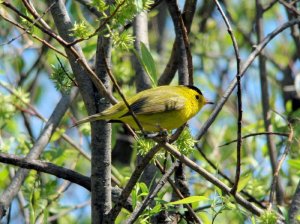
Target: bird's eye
{"x": 197, "y": 97}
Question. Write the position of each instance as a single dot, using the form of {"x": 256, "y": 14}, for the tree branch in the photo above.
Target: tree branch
{"x": 244, "y": 68}
{"x": 36, "y": 150}
{"x": 64, "y": 25}
{"x": 58, "y": 171}
{"x": 209, "y": 177}
{"x": 172, "y": 65}
{"x": 132, "y": 181}
{"x": 256, "y": 134}
{"x": 265, "y": 99}
{"x": 184, "y": 68}
{"x": 295, "y": 206}
{"x": 101, "y": 135}
{"x": 279, "y": 164}
{"x": 141, "y": 207}
{"x": 191, "y": 212}
{"x": 239, "y": 95}
{"x": 140, "y": 31}
{"x": 46, "y": 167}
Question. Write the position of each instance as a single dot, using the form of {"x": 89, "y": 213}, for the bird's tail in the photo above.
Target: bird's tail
{"x": 91, "y": 118}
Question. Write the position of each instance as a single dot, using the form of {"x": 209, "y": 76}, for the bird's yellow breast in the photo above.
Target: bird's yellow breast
{"x": 167, "y": 120}
{"x": 164, "y": 107}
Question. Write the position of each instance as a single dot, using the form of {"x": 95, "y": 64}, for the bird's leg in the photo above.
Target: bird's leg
{"x": 163, "y": 133}
{"x": 161, "y": 136}
{"x": 151, "y": 135}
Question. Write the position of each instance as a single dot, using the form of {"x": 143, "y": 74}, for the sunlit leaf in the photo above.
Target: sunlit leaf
{"x": 149, "y": 62}
{"x": 188, "y": 200}
{"x": 244, "y": 180}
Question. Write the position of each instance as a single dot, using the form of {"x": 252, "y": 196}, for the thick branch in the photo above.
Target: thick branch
{"x": 101, "y": 139}
{"x": 46, "y": 167}
{"x": 59, "y": 172}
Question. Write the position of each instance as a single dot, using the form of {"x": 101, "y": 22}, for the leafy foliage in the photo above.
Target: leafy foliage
{"x": 62, "y": 79}
{"x": 268, "y": 217}
{"x": 81, "y": 30}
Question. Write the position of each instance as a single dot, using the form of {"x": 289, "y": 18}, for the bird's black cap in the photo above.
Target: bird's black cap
{"x": 195, "y": 88}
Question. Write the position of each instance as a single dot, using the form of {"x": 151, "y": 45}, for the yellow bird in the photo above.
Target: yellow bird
{"x": 157, "y": 109}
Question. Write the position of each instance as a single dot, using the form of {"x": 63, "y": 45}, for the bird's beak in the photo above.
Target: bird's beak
{"x": 208, "y": 101}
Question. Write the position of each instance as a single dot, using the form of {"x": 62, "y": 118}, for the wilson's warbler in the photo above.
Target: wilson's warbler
{"x": 157, "y": 109}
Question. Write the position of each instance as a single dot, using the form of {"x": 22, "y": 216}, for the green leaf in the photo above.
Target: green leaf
{"x": 244, "y": 180}
{"x": 188, "y": 200}
{"x": 31, "y": 208}
{"x": 144, "y": 187}
{"x": 149, "y": 62}
{"x": 142, "y": 63}
{"x": 268, "y": 217}
{"x": 57, "y": 134}
{"x": 156, "y": 209}
{"x": 46, "y": 215}
{"x": 139, "y": 5}
{"x": 134, "y": 198}
{"x": 295, "y": 163}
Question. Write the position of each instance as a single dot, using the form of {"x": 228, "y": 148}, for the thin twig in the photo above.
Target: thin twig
{"x": 33, "y": 23}
{"x": 104, "y": 23}
{"x": 244, "y": 68}
{"x": 34, "y": 36}
{"x": 212, "y": 179}
{"x": 222, "y": 174}
{"x": 53, "y": 218}
{"x": 185, "y": 70}
{"x": 66, "y": 73}
{"x": 256, "y": 134}
{"x": 34, "y": 112}
{"x": 112, "y": 77}
{"x": 47, "y": 167}
{"x": 60, "y": 172}
{"x": 87, "y": 4}
{"x": 269, "y": 5}
{"x": 279, "y": 164}
{"x": 43, "y": 139}
{"x": 265, "y": 99}
{"x": 216, "y": 182}
{"x": 172, "y": 65}
{"x": 178, "y": 193}
{"x": 239, "y": 95}
{"x": 132, "y": 181}
{"x": 59, "y": 192}
{"x": 98, "y": 83}
{"x": 141, "y": 207}
{"x": 34, "y": 13}
{"x": 290, "y": 7}
{"x": 187, "y": 48}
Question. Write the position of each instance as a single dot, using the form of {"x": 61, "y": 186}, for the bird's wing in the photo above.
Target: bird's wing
{"x": 156, "y": 104}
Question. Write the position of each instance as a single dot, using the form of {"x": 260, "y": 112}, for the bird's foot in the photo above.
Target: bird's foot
{"x": 161, "y": 136}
